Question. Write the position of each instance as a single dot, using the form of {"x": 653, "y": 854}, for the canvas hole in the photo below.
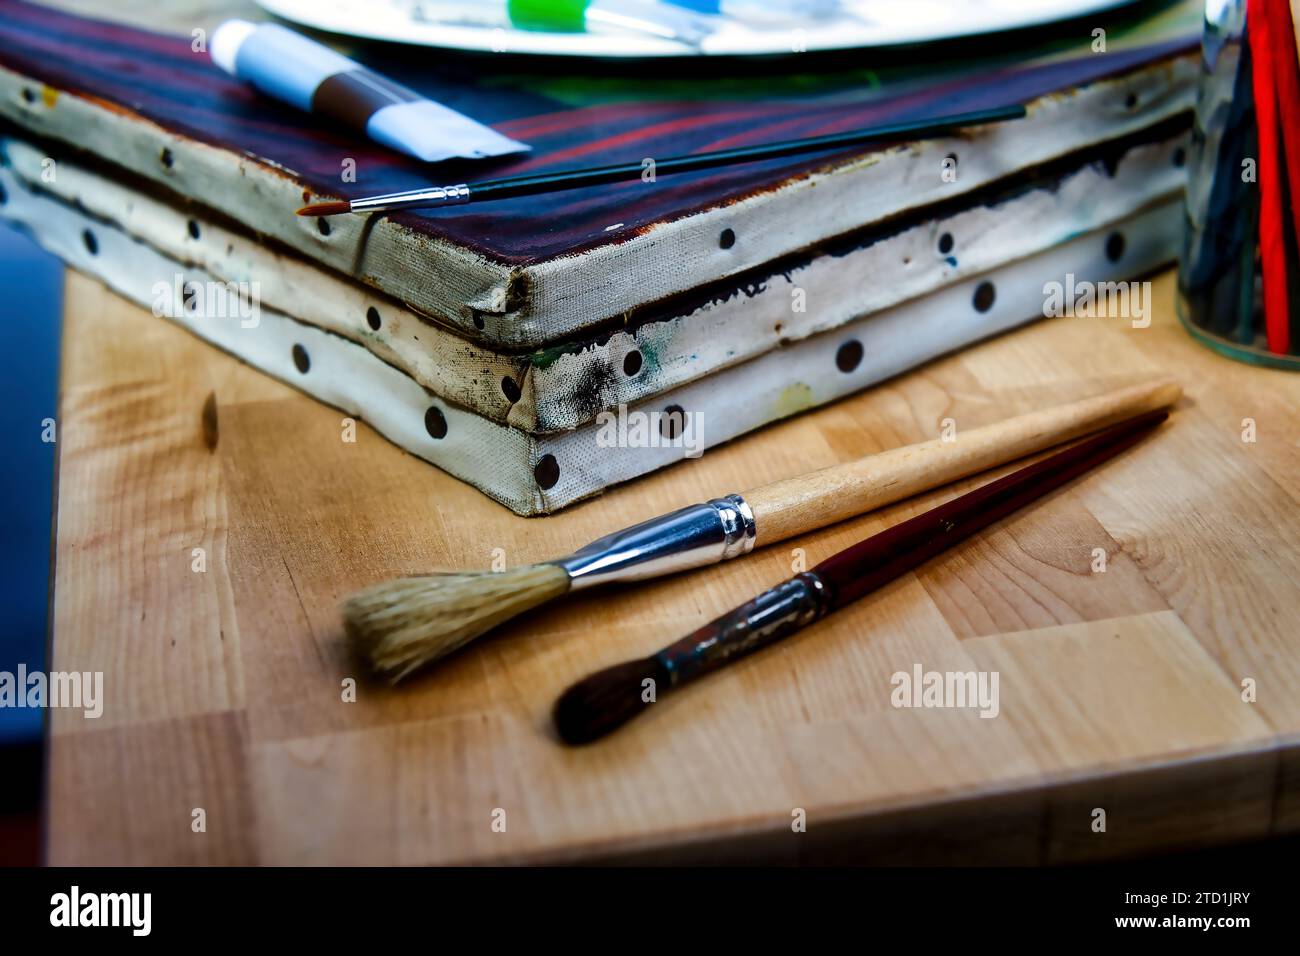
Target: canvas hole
{"x": 435, "y": 422}
{"x": 547, "y": 472}
{"x": 1115, "y": 246}
{"x": 848, "y": 356}
{"x": 672, "y": 422}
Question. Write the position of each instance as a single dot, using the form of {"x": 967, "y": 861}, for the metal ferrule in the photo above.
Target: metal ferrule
{"x": 689, "y": 538}
{"x": 779, "y": 611}
{"x": 434, "y": 196}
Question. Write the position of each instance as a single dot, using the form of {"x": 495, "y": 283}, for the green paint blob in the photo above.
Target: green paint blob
{"x": 561, "y": 16}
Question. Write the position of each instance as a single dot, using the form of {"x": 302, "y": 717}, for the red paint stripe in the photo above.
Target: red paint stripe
{"x": 640, "y": 135}
{"x": 126, "y": 69}
{"x": 906, "y": 108}
{"x": 910, "y": 106}
{"x": 88, "y": 31}
{"x": 768, "y": 132}
{"x": 798, "y": 126}
{"x": 565, "y": 120}
{"x": 1272, "y": 249}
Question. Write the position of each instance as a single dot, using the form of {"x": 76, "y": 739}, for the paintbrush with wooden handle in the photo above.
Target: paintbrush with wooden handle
{"x": 403, "y": 624}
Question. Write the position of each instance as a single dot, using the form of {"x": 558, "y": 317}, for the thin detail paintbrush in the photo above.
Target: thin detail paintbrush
{"x": 609, "y": 698}
{"x": 549, "y": 182}
{"x": 401, "y": 625}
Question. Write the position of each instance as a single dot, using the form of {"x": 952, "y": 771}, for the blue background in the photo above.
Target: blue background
{"x": 31, "y": 311}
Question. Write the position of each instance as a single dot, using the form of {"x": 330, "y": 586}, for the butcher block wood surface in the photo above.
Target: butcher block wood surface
{"x": 210, "y": 520}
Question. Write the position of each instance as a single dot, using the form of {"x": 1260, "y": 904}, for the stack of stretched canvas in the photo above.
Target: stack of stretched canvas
{"x": 545, "y": 348}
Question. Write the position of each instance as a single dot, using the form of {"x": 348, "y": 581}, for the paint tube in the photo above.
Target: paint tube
{"x": 289, "y": 67}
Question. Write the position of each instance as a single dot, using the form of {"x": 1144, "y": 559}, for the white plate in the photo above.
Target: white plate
{"x": 875, "y": 23}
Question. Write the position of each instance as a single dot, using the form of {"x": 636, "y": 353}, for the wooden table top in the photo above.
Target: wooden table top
{"x": 225, "y": 667}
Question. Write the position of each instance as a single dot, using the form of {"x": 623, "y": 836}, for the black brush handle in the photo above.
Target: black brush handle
{"x": 784, "y": 609}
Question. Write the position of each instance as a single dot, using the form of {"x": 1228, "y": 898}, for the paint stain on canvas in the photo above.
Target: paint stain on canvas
{"x": 793, "y": 399}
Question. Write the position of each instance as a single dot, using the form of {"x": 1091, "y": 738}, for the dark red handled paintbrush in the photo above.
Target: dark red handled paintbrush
{"x": 607, "y": 699}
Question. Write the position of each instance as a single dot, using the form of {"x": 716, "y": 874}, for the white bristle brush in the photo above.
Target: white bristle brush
{"x": 403, "y": 624}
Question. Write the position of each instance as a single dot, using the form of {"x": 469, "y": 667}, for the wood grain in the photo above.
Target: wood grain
{"x": 1120, "y": 690}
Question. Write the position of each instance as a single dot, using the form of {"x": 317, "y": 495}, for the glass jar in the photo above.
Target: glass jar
{"x": 1221, "y": 279}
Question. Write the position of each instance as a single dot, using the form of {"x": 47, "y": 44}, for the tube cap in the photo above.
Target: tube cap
{"x": 226, "y": 41}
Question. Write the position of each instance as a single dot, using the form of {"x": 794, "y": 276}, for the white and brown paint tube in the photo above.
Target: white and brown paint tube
{"x": 288, "y": 66}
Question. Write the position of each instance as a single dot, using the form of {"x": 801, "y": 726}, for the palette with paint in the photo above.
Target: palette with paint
{"x": 753, "y": 28}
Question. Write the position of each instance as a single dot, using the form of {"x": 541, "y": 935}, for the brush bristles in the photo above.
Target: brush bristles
{"x": 606, "y": 700}
{"x": 325, "y": 209}
{"x": 404, "y": 624}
